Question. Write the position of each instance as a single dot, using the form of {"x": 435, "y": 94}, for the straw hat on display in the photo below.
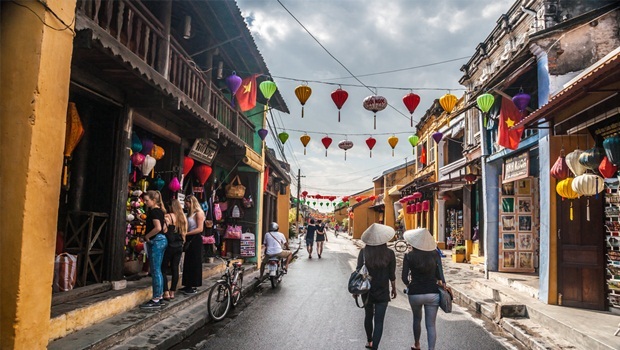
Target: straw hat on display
{"x": 377, "y": 234}
{"x": 420, "y": 239}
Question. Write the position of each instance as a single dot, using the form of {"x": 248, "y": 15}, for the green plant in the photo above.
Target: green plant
{"x": 459, "y": 249}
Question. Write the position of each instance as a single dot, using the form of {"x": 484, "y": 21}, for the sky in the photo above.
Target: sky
{"x": 367, "y": 37}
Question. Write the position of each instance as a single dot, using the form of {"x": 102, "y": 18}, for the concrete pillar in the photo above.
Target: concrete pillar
{"x": 441, "y": 222}
{"x": 35, "y": 74}
{"x": 490, "y": 185}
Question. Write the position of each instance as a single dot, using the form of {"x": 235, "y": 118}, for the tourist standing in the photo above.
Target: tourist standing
{"x": 156, "y": 243}
{"x": 175, "y": 233}
{"x": 192, "y": 263}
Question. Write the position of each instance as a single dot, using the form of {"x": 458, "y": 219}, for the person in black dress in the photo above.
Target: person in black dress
{"x": 177, "y": 229}
{"x": 381, "y": 264}
{"x": 321, "y": 237}
{"x": 192, "y": 263}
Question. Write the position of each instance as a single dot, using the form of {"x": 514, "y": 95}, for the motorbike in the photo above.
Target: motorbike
{"x": 275, "y": 267}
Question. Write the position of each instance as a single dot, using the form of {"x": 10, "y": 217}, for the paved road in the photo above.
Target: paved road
{"x": 312, "y": 309}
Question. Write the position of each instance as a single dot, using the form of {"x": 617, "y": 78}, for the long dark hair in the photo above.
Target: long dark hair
{"x": 377, "y": 256}
{"x": 422, "y": 261}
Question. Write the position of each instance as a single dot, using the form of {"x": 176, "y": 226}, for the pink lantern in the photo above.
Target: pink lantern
{"x": 137, "y": 158}
{"x": 418, "y": 207}
{"x": 426, "y": 205}
{"x": 174, "y": 185}
{"x": 417, "y": 195}
{"x": 409, "y": 209}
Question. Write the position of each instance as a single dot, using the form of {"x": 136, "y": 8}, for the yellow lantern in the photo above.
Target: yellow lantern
{"x": 565, "y": 190}
{"x": 303, "y": 93}
{"x": 304, "y": 141}
{"x": 447, "y": 102}
{"x": 393, "y": 140}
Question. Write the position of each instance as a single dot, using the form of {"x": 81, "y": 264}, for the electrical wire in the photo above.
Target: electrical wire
{"x": 404, "y": 69}
{"x": 67, "y": 26}
{"x": 348, "y": 134}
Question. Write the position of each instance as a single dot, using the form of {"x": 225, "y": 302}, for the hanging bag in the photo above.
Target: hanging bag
{"x": 65, "y": 272}
{"x": 445, "y": 293}
{"x": 236, "y": 212}
{"x": 233, "y": 232}
{"x": 235, "y": 189}
{"x": 359, "y": 283}
{"x": 217, "y": 212}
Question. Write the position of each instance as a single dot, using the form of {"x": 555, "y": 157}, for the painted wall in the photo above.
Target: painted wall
{"x": 34, "y": 96}
{"x": 361, "y": 219}
{"x": 283, "y": 206}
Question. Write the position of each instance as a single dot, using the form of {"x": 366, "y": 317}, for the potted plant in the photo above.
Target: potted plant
{"x": 458, "y": 253}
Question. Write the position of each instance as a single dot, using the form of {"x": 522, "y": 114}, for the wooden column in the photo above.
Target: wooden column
{"x": 163, "y": 62}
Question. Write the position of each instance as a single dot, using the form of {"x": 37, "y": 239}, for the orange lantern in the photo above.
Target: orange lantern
{"x": 393, "y": 140}
{"x": 74, "y": 134}
{"x": 157, "y": 152}
{"x": 303, "y": 92}
{"x": 304, "y": 141}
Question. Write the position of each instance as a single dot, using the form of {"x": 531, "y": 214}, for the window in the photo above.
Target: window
{"x": 430, "y": 152}
{"x": 419, "y": 155}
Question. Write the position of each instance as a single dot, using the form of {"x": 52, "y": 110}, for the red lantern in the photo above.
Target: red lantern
{"x": 318, "y": 196}
{"x": 426, "y": 205}
{"x": 371, "y": 141}
{"x": 372, "y": 198}
{"x": 411, "y": 101}
{"x": 418, "y": 207}
{"x": 416, "y": 195}
{"x": 470, "y": 177}
{"x": 402, "y": 200}
{"x": 345, "y": 198}
{"x": 607, "y": 169}
{"x": 304, "y": 194}
{"x": 339, "y": 97}
{"x": 326, "y": 142}
{"x": 203, "y": 172}
{"x": 408, "y": 209}
{"x": 188, "y": 164}
{"x": 414, "y": 208}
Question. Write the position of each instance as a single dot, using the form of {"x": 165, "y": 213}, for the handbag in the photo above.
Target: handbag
{"x": 235, "y": 213}
{"x": 359, "y": 283}
{"x": 445, "y": 298}
{"x": 208, "y": 240}
{"x": 233, "y": 232}
{"x": 248, "y": 202}
{"x": 217, "y": 212}
{"x": 235, "y": 189}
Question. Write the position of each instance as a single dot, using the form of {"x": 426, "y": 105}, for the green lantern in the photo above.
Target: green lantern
{"x": 283, "y": 137}
{"x": 313, "y": 203}
{"x": 268, "y": 88}
{"x": 321, "y": 204}
{"x": 485, "y": 102}
{"x": 413, "y": 140}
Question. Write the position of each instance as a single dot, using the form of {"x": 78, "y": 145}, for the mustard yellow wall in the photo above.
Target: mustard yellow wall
{"x": 284, "y": 204}
{"x": 35, "y": 75}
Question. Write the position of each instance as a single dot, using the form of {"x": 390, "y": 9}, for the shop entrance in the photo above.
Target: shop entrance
{"x": 581, "y": 263}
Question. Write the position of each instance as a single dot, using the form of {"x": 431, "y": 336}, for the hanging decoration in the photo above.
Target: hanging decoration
{"x": 612, "y": 149}
{"x": 418, "y": 207}
{"x": 485, "y": 102}
{"x": 423, "y": 156}
{"x": 283, "y": 137}
{"x": 147, "y": 145}
{"x": 304, "y": 194}
{"x": 174, "y": 186}
{"x": 326, "y": 141}
{"x": 148, "y": 164}
{"x": 413, "y": 140}
{"x": 304, "y": 141}
{"x": 233, "y": 82}
{"x": 143, "y": 184}
{"x": 303, "y": 92}
{"x": 262, "y": 133}
{"x": 588, "y": 185}
{"x": 437, "y": 136}
{"x": 470, "y": 178}
{"x": 157, "y": 152}
{"x": 591, "y": 158}
{"x": 136, "y": 144}
{"x": 572, "y": 160}
{"x": 560, "y": 170}
{"x": 268, "y": 88}
{"x": 447, "y": 102}
{"x": 159, "y": 183}
{"x": 375, "y": 103}
{"x": 416, "y": 195}
{"x": 521, "y": 100}
{"x": 426, "y": 205}
{"x": 345, "y": 145}
{"x": 411, "y": 101}
{"x": 565, "y": 189}
{"x": 74, "y": 133}
{"x": 203, "y": 172}
{"x": 339, "y": 97}
{"x": 393, "y": 141}
{"x": 607, "y": 168}
{"x": 371, "y": 142}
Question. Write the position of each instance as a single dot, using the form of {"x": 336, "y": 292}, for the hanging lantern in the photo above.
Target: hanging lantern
{"x": 188, "y": 164}
{"x": 262, "y": 133}
{"x": 267, "y": 88}
{"x": 426, "y": 205}
{"x": 521, "y": 100}
{"x": 411, "y": 101}
{"x": 157, "y": 152}
{"x": 591, "y": 158}
{"x": 137, "y": 158}
{"x": 174, "y": 185}
{"x": 607, "y": 169}
{"x": 147, "y": 145}
{"x": 136, "y": 144}
{"x": 148, "y": 165}
{"x": 371, "y": 142}
{"x": 447, "y": 102}
{"x": 283, "y": 137}
{"x": 345, "y": 145}
{"x": 572, "y": 160}
{"x": 372, "y": 198}
{"x": 375, "y": 103}
{"x": 74, "y": 133}
{"x": 470, "y": 178}
{"x": 326, "y": 141}
{"x": 143, "y": 184}
{"x": 202, "y": 172}
{"x": 304, "y": 194}
{"x": 413, "y": 140}
{"x": 588, "y": 184}
{"x": 303, "y": 92}
{"x": 612, "y": 149}
{"x": 565, "y": 190}
{"x": 159, "y": 183}
{"x": 304, "y": 141}
{"x": 233, "y": 82}
{"x": 560, "y": 170}
{"x": 417, "y": 195}
{"x": 414, "y": 208}
{"x": 339, "y": 97}
{"x": 345, "y": 198}
{"x": 409, "y": 209}
{"x": 403, "y": 200}
{"x": 393, "y": 140}
{"x": 485, "y": 102}
{"x": 418, "y": 207}
{"x": 437, "y": 136}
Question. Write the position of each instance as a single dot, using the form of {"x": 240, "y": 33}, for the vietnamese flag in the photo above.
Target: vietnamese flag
{"x": 509, "y": 115}
{"x": 246, "y": 95}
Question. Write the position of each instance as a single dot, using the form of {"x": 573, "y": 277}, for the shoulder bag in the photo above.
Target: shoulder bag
{"x": 359, "y": 283}
{"x": 445, "y": 293}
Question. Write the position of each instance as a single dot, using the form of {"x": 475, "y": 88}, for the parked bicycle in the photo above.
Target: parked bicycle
{"x": 226, "y": 292}
{"x": 401, "y": 245}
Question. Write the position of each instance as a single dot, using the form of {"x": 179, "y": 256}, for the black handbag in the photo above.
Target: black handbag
{"x": 445, "y": 299}
{"x": 359, "y": 283}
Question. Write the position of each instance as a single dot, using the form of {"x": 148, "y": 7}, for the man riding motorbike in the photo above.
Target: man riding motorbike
{"x": 276, "y": 245}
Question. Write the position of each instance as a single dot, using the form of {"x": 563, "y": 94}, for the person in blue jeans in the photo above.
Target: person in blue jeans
{"x": 421, "y": 274}
{"x": 310, "y": 231}
{"x": 156, "y": 244}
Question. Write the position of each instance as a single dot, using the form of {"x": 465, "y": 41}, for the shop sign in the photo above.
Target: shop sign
{"x": 204, "y": 151}
{"x": 248, "y": 244}
{"x": 517, "y": 167}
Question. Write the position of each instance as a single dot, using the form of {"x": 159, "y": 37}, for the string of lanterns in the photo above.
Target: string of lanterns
{"x": 321, "y": 200}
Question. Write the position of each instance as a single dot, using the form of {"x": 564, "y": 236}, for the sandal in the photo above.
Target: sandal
{"x": 368, "y": 345}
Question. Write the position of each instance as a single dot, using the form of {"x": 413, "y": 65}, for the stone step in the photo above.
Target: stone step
{"x": 535, "y": 337}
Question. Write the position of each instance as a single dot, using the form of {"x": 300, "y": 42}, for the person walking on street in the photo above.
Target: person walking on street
{"x": 156, "y": 243}
{"x": 421, "y": 273}
{"x": 381, "y": 264}
{"x": 310, "y": 231}
{"x": 176, "y": 230}
{"x": 275, "y": 245}
{"x": 321, "y": 237}
{"x": 192, "y": 263}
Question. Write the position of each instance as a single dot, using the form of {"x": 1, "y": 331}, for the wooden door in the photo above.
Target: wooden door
{"x": 581, "y": 263}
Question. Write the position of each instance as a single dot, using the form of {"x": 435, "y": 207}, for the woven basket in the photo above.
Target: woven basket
{"x": 235, "y": 189}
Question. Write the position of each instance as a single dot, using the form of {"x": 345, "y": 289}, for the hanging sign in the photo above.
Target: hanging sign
{"x": 248, "y": 244}
{"x": 517, "y": 167}
{"x": 204, "y": 151}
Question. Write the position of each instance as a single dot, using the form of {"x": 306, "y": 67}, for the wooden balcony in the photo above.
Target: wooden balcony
{"x": 138, "y": 30}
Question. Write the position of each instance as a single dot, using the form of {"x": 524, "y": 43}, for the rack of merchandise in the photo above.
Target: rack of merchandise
{"x": 455, "y": 225}
{"x": 612, "y": 227}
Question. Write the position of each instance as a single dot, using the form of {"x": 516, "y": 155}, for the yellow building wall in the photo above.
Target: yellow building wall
{"x": 35, "y": 75}
{"x": 361, "y": 219}
{"x": 284, "y": 205}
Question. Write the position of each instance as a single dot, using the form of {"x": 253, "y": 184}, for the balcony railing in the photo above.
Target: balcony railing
{"x": 138, "y": 30}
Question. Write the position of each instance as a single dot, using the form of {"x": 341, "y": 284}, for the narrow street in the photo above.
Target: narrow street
{"x": 312, "y": 309}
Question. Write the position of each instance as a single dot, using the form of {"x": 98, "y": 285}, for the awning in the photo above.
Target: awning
{"x": 598, "y": 75}
{"x": 449, "y": 183}
{"x": 253, "y": 159}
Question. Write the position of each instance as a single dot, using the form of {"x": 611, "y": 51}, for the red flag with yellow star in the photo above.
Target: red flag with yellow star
{"x": 246, "y": 95}
{"x": 509, "y": 115}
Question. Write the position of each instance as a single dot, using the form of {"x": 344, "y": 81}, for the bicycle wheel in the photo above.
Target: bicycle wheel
{"x": 219, "y": 301}
{"x": 236, "y": 296}
{"x": 400, "y": 246}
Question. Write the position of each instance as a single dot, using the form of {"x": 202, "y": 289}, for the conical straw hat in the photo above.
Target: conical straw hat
{"x": 420, "y": 239}
{"x": 377, "y": 234}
